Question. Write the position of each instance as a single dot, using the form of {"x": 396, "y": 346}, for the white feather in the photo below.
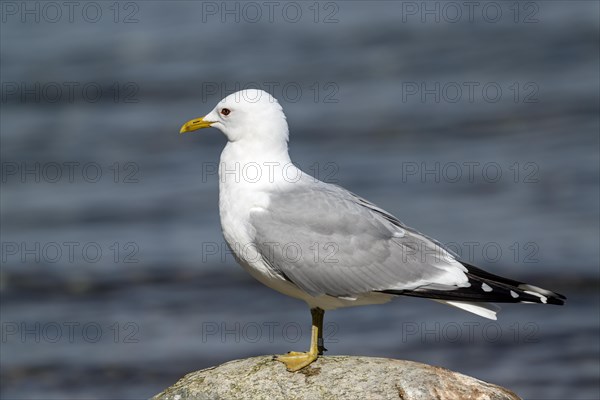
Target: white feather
{"x": 482, "y": 309}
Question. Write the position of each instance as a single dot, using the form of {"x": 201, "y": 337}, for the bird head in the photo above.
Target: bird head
{"x": 250, "y": 115}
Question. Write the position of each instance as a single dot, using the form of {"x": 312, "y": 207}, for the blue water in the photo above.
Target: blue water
{"x": 115, "y": 280}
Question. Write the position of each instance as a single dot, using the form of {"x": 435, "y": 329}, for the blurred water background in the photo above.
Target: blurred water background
{"x": 476, "y": 127}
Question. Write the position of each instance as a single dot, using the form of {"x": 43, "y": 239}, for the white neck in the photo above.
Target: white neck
{"x": 254, "y": 165}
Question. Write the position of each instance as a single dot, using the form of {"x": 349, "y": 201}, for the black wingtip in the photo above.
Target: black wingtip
{"x": 556, "y": 301}
{"x": 487, "y": 287}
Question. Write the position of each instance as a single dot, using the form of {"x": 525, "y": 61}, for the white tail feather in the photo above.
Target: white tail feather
{"x": 482, "y": 309}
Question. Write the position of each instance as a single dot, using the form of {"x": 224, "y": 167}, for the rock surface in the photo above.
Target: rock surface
{"x": 333, "y": 377}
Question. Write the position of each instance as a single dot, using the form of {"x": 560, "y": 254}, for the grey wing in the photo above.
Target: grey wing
{"x": 327, "y": 240}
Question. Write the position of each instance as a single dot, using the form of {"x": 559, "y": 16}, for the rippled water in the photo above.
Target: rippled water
{"x": 130, "y": 285}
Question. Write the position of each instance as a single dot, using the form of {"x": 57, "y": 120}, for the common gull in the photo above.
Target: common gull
{"x": 323, "y": 244}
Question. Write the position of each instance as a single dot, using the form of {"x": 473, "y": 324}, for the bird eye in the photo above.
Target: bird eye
{"x": 225, "y": 111}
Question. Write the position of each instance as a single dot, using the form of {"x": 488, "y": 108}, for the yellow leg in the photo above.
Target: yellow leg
{"x": 294, "y": 360}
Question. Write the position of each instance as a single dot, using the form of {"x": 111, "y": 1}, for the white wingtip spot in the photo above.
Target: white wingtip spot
{"x": 545, "y": 292}
{"x": 514, "y": 294}
{"x": 543, "y": 298}
{"x": 486, "y": 287}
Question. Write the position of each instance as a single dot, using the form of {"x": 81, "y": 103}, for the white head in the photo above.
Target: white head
{"x": 251, "y": 116}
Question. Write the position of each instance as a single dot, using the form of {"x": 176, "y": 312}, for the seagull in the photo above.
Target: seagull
{"x": 323, "y": 244}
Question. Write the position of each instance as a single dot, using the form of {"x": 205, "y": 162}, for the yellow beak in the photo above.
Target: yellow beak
{"x": 195, "y": 124}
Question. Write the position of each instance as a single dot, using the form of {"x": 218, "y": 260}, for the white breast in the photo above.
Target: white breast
{"x": 241, "y": 192}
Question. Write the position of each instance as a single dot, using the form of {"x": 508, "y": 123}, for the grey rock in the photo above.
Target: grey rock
{"x": 332, "y": 377}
